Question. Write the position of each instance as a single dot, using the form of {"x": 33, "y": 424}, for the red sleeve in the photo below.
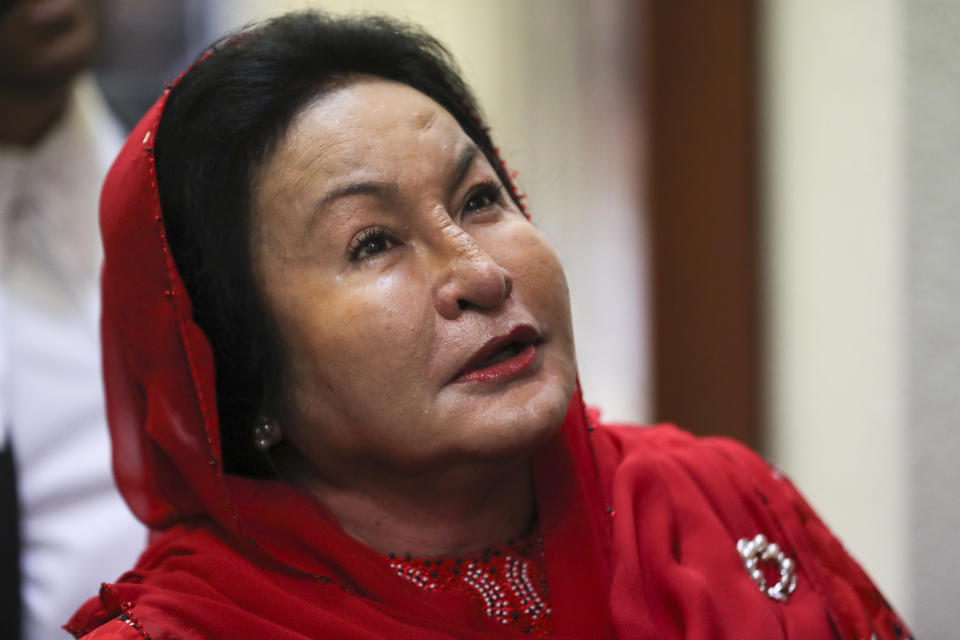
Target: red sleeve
{"x": 852, "y": 596}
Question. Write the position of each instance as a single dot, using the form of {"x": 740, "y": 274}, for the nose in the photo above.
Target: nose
{"x": 468, "y": 277}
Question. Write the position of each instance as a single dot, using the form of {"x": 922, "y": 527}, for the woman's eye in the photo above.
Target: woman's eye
{"x": 370, "y": 243}
{"x": 484, "y": 196}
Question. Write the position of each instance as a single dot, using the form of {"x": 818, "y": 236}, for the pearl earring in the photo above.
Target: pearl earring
{"x": 266, "y": 434}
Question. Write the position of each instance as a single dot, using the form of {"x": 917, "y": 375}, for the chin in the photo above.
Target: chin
{"x": 515, "y": 427}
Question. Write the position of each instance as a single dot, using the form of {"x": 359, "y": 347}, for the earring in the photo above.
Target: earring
{"x": 266, "y": 434}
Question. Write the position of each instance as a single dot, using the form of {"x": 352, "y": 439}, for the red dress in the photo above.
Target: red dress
{"x": 641, "y": 528}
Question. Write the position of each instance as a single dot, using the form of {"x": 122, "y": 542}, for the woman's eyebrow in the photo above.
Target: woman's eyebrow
{"x": 389, "y": 190}
{"x": 375, "y": 188}
{"x": 463, "y": 165}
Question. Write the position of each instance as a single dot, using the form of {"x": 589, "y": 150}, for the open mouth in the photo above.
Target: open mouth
{"x": 503, "y": 357}
{"x": 503, "y": 353}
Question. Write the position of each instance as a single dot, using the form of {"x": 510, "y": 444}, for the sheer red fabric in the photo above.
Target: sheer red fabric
{"x": 639, "y": 526}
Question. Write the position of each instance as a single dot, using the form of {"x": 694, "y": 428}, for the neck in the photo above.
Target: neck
{"x": 25, "y": 119}
{"x": 451, "y": 513}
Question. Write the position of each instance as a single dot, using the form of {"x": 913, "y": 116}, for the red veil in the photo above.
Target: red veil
{"x": 639, "y": 525}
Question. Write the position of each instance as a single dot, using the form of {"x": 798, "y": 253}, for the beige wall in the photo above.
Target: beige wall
{"x": 835, "y": 258}
{"x": 932, "y": 310}
{"x": 548, "y": 76}
{"x": 863, "y": 156}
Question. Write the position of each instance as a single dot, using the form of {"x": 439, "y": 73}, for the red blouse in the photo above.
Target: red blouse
{"x": 508, "y": 581}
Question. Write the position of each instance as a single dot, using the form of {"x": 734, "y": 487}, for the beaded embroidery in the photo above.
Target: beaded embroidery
{"x": 509, "y": 581}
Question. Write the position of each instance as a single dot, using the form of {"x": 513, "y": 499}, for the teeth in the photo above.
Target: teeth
{"x": 501, "y": 354}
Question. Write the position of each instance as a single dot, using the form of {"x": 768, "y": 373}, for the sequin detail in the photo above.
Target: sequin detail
{"x": 509, "y": 582}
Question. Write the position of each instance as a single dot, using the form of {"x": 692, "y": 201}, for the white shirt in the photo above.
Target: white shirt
{"x": 76, "y": 530}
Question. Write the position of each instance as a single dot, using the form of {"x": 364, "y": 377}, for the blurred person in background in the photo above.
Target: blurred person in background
{"x": 63, "y": 523}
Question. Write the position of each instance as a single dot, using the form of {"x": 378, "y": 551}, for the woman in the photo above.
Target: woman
{"x": 342, "y": 389}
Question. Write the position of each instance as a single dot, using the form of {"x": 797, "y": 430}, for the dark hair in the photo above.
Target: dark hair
{"x": 221, "y": 122}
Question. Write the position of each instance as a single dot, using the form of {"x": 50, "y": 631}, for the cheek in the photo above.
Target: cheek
{"x": 358, "y": 366}
{"x": 351, "y": 337}
{"x": 539, "y": 277}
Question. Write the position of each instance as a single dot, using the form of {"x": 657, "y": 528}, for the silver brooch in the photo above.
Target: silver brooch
{"x": 756, "y": 551}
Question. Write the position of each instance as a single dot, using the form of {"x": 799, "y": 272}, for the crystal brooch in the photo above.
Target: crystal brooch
{"x": 758, "y": 551}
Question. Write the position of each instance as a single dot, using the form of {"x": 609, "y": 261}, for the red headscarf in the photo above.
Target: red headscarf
{"x": 639, "y": 525}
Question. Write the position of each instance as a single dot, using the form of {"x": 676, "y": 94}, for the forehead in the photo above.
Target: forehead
{"x": 367, "y": 123}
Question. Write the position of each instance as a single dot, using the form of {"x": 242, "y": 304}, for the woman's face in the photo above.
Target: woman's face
{"x": 425, "y": 321}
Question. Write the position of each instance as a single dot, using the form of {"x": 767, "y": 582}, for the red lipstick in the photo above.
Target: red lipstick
{"x": 503, "y": 357}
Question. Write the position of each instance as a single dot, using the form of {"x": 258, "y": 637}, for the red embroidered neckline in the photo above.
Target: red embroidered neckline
{"x": 509, "y": 581}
